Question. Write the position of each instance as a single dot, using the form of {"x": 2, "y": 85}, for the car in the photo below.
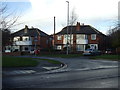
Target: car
{"x": 32, "y": 52}
{"x": 91, "y": 52}
{"x": 7, "y": 51}
{"x": 108, "y": 51}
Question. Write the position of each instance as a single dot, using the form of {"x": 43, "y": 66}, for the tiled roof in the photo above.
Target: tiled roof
{"x": 84, "y": 29}
{"x": 30, "y": 32}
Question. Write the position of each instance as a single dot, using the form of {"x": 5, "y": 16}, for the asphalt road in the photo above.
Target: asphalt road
{"x": 79, "y": 73}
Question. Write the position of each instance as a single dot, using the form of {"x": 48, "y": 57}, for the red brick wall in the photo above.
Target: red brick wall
{"x": 42, "y": 42}
{"x": 93, "y": 41}
{"x": 74, "y": 42}
{"x": 59, "y": 41}
{"x": 12, "y": 54}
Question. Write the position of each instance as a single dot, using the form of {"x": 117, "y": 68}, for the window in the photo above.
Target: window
{"x": 81, "y": 36}
{"x": 86, "y": 37}
{"x": 68, "y": 38}
{"x": 93, "y": 36}
{"x": 16, "y": 39}
{"x": 25, "y": 38}
{"x": 59, "y": 37}
{"x": 93, "y": 46}
{"x": 80, "y": 47}
{"x": 59, "y": 47}
{"x": 26, "y": 48}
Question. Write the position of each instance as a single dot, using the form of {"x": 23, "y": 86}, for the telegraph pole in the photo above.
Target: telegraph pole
{"x": 54, "y": 34}
{"x": 67, "y": 25}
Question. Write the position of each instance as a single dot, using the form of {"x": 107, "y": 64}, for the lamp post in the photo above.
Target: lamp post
{"x": 67, "y": 25}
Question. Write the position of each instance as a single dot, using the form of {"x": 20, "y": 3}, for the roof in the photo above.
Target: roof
{"x": 84, "y": 29}
{"x": 30, "y": 32}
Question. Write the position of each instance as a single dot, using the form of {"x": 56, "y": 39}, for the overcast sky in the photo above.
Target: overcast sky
{"x": 101, "y": 14}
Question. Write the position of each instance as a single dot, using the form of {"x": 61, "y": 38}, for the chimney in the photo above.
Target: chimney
{"x": 78, "y": 26}
{"x": 26, "y": 29}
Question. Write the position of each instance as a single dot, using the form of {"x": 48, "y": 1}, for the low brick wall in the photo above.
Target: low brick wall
{"x": 118, "y": 50}
{"x": 12, "y": 53}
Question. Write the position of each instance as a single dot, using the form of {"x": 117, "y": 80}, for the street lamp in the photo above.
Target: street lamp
{"x": 67, "y": 25}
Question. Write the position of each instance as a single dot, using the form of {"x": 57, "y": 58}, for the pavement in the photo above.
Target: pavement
{"x": 72, "y": 64}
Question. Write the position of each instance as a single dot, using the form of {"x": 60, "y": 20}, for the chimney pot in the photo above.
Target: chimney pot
{"x": 78, "y": 26}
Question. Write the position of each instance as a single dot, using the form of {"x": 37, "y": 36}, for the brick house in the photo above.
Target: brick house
{"x": 29, "y": 39}
{"x": 80, "y": 37}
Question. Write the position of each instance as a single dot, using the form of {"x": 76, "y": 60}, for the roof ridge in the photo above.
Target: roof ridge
{"x": 95, "y": 30}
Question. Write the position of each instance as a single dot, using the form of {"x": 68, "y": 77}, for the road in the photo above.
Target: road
{"x": 79, "y": 73}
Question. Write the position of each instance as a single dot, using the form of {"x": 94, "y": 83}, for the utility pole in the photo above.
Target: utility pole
{"x": 67, "y": 25}
{"x": 54, "y": 34}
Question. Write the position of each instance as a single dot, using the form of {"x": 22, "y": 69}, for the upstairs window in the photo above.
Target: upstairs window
{"x": 93, "y": 36}
{"x": 16, "y": 39}
{"x": 59, "y": 37}
{"x": 25, "y": 38}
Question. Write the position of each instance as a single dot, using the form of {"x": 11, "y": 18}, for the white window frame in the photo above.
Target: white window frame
{"x": 93, "y": 36}
{"x": 80, "y": 47}
{"x": 26, "y": 38}
{"x": 92, "y": 46}
{"x": 59, "y": 47}
{"x": 65, "y": 39}
{"x": 59, "y": 37}
{"x": 16, "y": 39}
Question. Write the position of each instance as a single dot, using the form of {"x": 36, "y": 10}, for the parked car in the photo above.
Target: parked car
{"x": 108, "y": 51}
{"x": 32, "y": 52}
{"x": 7, "y": 51}
{"x": 92, "y": 52}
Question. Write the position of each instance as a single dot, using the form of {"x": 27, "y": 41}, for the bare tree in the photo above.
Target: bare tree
{"x": 113, "y": 38}
{"x": 7, "y": 19}
{"x": 73, "y": 20}
{"x": 73, "y": 17}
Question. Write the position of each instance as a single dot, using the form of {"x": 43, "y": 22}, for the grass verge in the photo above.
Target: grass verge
{"x": 109, "y": 57}
{"x": 10, "y": 61}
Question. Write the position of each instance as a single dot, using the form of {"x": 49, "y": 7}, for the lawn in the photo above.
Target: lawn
{"x": 109, "y": 57}
{"x": 63, "y": 55}
{"x": 10, "y": 61}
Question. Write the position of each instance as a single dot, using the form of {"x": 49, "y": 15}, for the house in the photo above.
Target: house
{"x": 29, "y": 39}
{"x": 79, "y": 37}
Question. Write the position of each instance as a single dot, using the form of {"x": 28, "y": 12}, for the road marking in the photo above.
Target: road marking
{"x": 18, "y": 72}
{"x": 50, "y": 68}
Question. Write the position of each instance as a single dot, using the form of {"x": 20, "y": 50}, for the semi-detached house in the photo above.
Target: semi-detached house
{"x": 79, "y": 37}
{"x": 28, "y": 39}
